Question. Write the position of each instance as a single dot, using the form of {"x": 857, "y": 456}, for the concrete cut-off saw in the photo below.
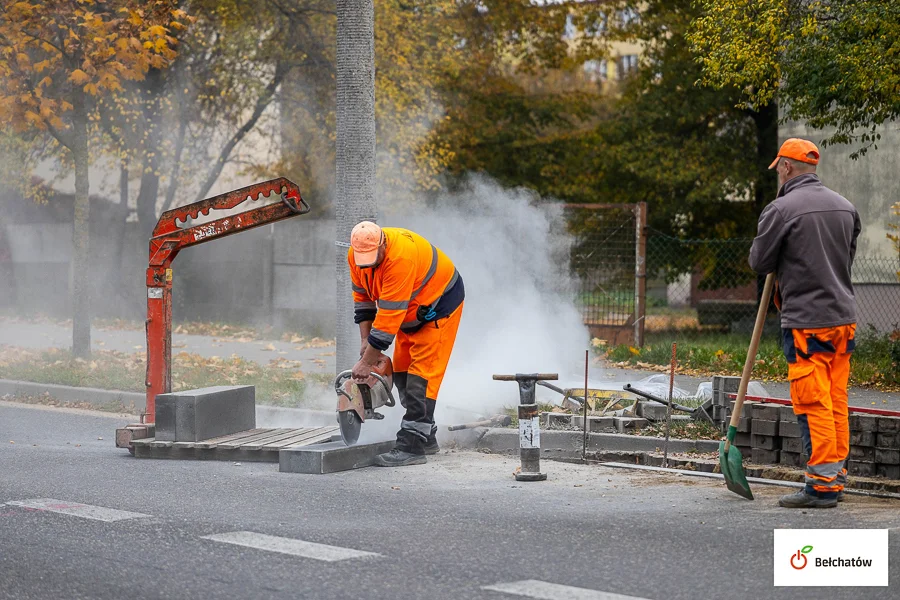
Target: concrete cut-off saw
{"x": 357, "y": 402}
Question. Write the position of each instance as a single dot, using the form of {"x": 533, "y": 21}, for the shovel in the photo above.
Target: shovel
{"x": 730, "y": 459}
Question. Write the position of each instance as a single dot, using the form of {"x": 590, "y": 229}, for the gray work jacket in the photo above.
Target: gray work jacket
{"x": 808, "y": 237}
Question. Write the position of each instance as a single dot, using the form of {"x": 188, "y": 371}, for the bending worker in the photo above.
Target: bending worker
{"x": 807, "y": 236}
{"x": 406, "y": 292}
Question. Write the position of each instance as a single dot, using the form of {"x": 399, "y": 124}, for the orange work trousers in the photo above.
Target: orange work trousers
{"x": 818, "y": 371}
{"x": 420, "y": 362}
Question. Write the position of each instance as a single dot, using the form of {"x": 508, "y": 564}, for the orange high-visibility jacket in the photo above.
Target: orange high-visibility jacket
{"x": 413, "y": 273}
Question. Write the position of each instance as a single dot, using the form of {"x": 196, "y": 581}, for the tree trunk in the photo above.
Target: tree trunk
{"x": 81, "y": 300}
{"x": 355, "y": 152}
{"x": 153, "y": 89}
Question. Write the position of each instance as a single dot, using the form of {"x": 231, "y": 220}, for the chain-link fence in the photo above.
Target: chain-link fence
{"x": 707, "y": 285}
{"x": 607, "y": 259}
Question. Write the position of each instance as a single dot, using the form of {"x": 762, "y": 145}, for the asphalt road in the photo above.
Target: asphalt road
{"x": 445, "y": 530}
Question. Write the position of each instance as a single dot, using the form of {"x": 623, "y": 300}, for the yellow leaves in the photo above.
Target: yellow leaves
{"x": 634, "y": 350}
{"x": 34, "y": 119}
{"x": 135, "y": 17}
{"x": 157, "y": 31}
{"x": 65, "y": 106}
{"x": 44, "y": 82}
{"x": 92, "y": 89}
{"x": 40, "y": 66}
{"x": 78, "y": 77}
{"x": 23, "y": 61}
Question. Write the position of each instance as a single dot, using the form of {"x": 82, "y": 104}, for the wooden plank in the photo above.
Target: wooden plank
{"x": 322, "y": 437}
{"x": 157, "y": 444}
{"x": 271, "y": 433}
{"x": 293, "y": 433}
{"x": 309, "y": 434}
{"x": 322, "y": 433}
{"x": 230, "y": 438}
{"x": 298, "y": 436}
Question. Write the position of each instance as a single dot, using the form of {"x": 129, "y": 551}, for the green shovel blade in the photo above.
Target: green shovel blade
{"x": 732, "y": 467}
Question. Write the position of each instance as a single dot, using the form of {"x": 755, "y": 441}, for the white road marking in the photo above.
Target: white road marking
{"x": 532, "y": 588}
{"x": 290, "y": 546}
{"x": 85, "y": 511}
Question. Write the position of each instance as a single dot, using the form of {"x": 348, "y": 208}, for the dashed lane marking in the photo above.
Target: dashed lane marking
{"x": 271, "y": 543}
{"x": 542, "y": 590}
{"x": 85, "y": 511}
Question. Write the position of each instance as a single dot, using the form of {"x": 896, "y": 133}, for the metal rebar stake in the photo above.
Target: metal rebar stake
{"x": 669, "y": 407}
{"x": 529, "y": 424}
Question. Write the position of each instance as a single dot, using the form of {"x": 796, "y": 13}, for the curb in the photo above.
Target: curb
{"x": 568, "y": 444}
{"x": 126, "y": 401}
{"x": 134, "y": 402}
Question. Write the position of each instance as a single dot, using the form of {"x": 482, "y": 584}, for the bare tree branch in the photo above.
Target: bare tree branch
{"x": 261, "y": 104}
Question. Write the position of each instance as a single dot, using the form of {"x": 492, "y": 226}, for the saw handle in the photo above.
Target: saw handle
{"x": 345, "y": 375}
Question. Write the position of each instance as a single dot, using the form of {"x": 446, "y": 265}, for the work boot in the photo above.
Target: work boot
{"x": 802, "y": 499}
{"x": 431, "y": 443}
{"x": 399, "y": 458}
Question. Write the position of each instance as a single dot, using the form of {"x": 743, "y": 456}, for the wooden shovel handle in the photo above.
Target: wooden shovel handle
{"x": 754, "y": 347}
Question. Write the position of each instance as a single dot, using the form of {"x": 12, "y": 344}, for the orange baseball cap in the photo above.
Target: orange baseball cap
{"x": 798, "y": 150}
{"x": 365, "y": 239}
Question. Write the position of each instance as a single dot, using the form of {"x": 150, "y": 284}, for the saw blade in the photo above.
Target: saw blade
{"x": 350, "y": 425}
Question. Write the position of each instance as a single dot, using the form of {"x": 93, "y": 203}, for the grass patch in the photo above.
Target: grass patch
{"x": 875, "y": 362}
{"x": 280, "y": 383}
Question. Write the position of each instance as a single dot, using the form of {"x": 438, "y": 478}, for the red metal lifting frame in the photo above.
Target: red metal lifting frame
{"x": 167, "y": 241}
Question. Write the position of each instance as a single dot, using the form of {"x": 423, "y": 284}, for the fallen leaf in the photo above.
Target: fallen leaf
{"x": 269, "y": 347}
{"x": 394, "y": 487}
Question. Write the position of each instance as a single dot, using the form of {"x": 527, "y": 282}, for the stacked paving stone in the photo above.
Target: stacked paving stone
{"x": 764, "y": 439}
{"x": 874, "y": 446}
{"x": 769, "y": 434}
{"x": 793, "y": 452}
{"x": 551, "y": 420}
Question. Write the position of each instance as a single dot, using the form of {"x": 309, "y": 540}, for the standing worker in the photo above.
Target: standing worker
{"x": 807, "y": 236}
{"x": 405, "y": 291}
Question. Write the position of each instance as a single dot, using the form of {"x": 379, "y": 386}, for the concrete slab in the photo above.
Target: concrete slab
{"x": 206, "y": 413}
{"x": 330, "y": 457}
{"x": 567, "y": 445}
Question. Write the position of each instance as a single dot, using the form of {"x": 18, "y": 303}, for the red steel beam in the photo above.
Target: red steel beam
{"x": 169, "y": 237}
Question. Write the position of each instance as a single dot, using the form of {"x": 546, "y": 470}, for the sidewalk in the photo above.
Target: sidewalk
{"x": 38, "y": 336}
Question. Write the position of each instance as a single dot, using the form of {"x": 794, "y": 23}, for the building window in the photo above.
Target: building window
{"x": 626, "y": 64}
{"x": 596, "y": 70}
{"x": 628, "y": 16}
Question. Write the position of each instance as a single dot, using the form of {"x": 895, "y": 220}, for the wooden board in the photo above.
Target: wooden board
{"x": 253, "y": 445}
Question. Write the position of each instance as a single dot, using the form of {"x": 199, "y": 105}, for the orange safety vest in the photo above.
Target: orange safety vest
{"x": 413, "y": 273}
